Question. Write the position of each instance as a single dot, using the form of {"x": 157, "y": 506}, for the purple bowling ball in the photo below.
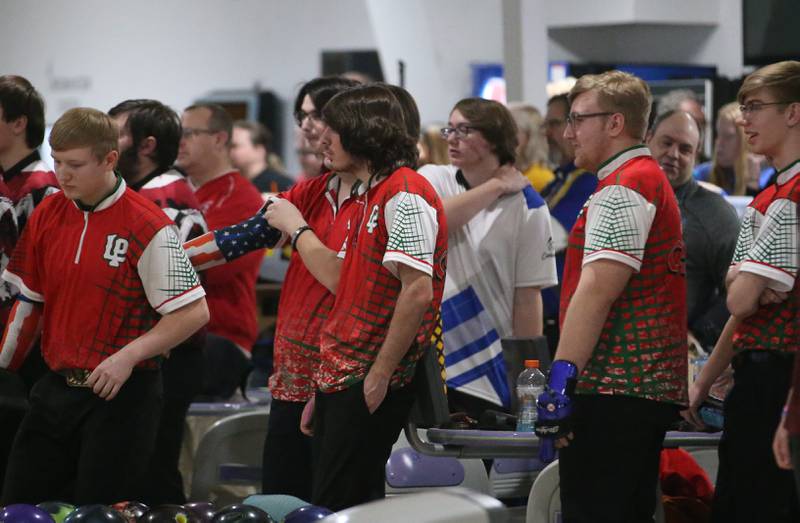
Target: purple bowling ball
{"x": 307, "y": 514}
{"x": 204, "y": 510}
{"x": 21, "y": 513}
{"x": 240, "y": 513}
{"x": 95, "y": 514}
{"x": 170, "y": 514}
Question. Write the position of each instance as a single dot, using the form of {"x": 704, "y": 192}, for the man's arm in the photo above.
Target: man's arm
{"x": 744, "y": 293}
{"x": 173, "y": 328}
{"x": 323, "y": 263}
{"x": 414, "y": 299}
{"x": 527, "y": 314}
{"x": 601, "y": 283}
{"x": 461, "y": 208}
{"x": 22, "y": 330}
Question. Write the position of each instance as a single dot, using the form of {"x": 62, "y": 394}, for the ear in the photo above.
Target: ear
{"x": 110, "y": 161}
{"x": 792, "y": 114}
{"x": 648, "y": 136}
{"x": 222, "y": 139}
{"x": 19, "y": 125}
{"x": 148, "y": 146}
{"x": 616, "y": 124}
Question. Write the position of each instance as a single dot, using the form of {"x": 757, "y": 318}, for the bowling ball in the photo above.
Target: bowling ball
{"x": 21, "y": 513}
{"x": 94, "y": 514}
{"x": 58, "y": 510}
{"x": 170, "y": 514}
{"x": 307, "y": 514}
{"x": 242, "y": 514}
{"x": 131, "y": 510}
{"x": 204, "y": 510}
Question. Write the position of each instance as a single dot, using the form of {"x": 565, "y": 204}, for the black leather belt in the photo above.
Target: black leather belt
{"x": 76, "y": 377}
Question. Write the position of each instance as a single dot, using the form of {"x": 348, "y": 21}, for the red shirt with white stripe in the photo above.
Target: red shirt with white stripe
{"x": 231, "y": 288}
{"x": 633, "y": 218}
{"x": 768, "y": 247}
{"x": 104, "y": 275}
{"x": 399, "y": 220}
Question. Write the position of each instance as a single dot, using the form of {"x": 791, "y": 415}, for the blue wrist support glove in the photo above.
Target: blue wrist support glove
{"x": 247, "y": 236}
{"x": 554, "y": 407}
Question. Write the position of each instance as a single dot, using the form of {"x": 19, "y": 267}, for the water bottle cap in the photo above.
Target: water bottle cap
{"x": 531, "y": 364}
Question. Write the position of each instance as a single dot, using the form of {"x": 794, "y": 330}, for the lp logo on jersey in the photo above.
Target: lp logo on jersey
{"x": 116, "y": 249}
{"x": 373, "y": 220}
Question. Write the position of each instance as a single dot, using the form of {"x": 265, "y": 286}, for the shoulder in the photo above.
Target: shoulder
{"x": 38, "y": 174}
{"x": 642, "y": 175}
{"x": 408, "y": 181}
{"x": 140, "y": 209}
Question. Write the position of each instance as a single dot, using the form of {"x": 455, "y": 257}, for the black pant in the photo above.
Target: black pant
{"x": 287, "y": 452}
{"x": 794, "y": 442}
{"x": 351, "y": 445}
{"x": 750, "y": 486}
{"x": 609, "y": 471}
{"x": 76, "y": 447}
{"x": 182, "y": 375}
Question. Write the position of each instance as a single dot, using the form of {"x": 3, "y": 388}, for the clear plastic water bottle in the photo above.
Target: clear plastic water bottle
{"x": 530, "y": 384}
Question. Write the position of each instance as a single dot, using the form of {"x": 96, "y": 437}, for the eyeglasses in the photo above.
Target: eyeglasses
{"x": 461, "y": 131}
{"x": 754, "y": 107}
{"x": 188, "y": 132}
{"x": 575, "y": 119}
{"x": 301, "y": 115}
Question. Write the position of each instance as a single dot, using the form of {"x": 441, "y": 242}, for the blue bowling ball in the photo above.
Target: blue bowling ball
{"x": 95, "y": 514}
{"x": 58, "y": 510}
{"x": 240, "y": 513}
{"x": 204, "y": 510}
{"x": 170, "y": 514}
{"x": 21, "y": 513}
{"x": 307, "y": 514}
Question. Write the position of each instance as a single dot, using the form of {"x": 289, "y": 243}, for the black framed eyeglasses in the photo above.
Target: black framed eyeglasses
{"x": 301, "y": 115}
{"x": 461, "y": 131}
{"x": 575, "y": 119}
{"x": 754, "y": 107}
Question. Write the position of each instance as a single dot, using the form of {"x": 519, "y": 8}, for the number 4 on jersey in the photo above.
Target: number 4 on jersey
{"x": 116, "y": 248}
{"x": 373, "y": 220}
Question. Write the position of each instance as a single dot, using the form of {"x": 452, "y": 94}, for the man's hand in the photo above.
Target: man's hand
{"x": 509, "y": 180}
{"x": 697, "y": 395}
{"x": 108, "y": 377}
{"x": 780, "y": 446}
{"x": 283, "y": 215}
{"x": 554, "y": 409}
{"x": 307, "y": 418}
{"x": 771, "y": 297}
{"x": 375, "y": 387}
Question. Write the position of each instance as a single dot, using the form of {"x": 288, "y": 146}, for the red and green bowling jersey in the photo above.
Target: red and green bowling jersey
{"x": 398, "y": 220}
{"x": 633, "y": 218}
{"x": 104, "y": 275}
{"x": 305, "y": 303}
{"x": 768, "y": 246}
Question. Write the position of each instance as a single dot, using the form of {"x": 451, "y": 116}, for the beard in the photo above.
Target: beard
{"x": 128, "y": 163}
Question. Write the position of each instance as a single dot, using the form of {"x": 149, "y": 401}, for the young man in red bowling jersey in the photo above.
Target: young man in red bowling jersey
{"x": 119, "y": 293}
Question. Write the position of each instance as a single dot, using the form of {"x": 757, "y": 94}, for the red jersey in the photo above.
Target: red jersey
{"x": 172, "y": 192}
{"x": 305, "y": 303}
{"x": 768, "y": 246}
{"x": 104, "y": 274}
{"x": 399, "y": 220}
{"x": 633, "y": 218}
{"x": 25, "y": 185}
{"x": 231, "y": 288}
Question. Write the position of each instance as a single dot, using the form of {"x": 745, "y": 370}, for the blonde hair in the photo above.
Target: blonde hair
{"x": 621, "y": 93}
{"x": 85, "y": 127}
{"x": 730, "y": 113}
{"x": 782, "y": 79}
{"x": 529, "y": 120}
{"x": 434, "y": 146}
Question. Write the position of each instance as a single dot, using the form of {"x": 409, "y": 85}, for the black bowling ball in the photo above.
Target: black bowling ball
{"x": 242, "y": 514}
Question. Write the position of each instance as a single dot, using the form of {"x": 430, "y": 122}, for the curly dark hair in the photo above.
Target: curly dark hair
{"x": 495, "y": 122}
{"x": 371, "y": 125}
